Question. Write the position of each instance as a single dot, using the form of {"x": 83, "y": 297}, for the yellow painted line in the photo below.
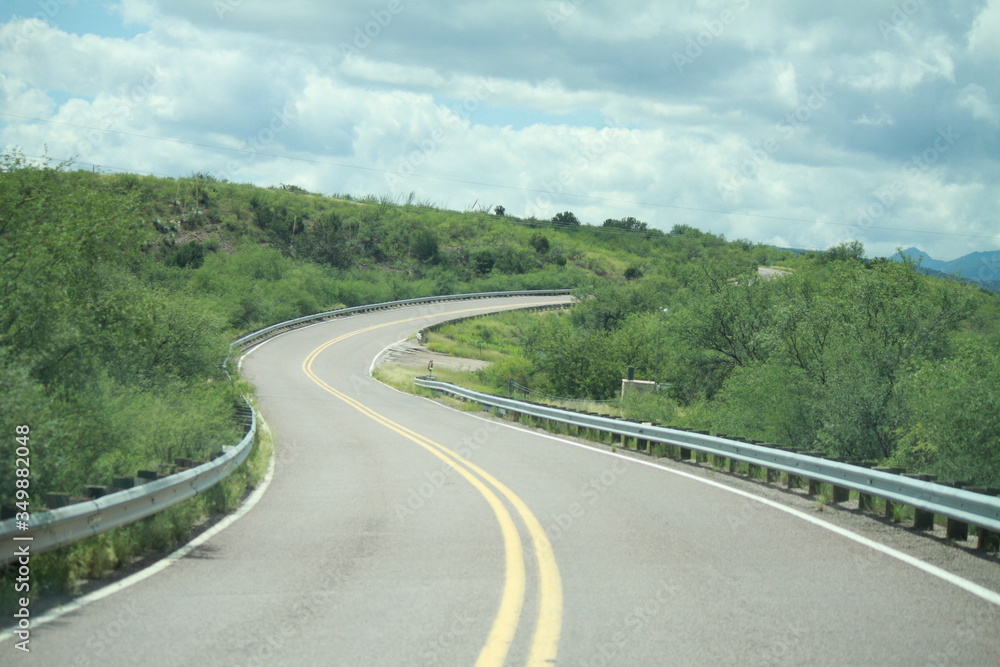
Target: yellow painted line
{"x": 548, "y": 626}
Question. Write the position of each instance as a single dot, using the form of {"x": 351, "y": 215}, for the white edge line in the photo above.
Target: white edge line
{"x": 180, "y": 553}
{"x": 371, "y": 366}
{"x": 933, "y": 570}
{"x": 161, "y": 564}
{"x": 969, "y": 586}
{"x": 267, "y": 340}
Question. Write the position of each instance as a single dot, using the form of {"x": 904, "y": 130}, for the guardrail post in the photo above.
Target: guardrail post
{"x": 987, "y": 540}
{"x": 56, "y": 500}
{"x": 865, "y": 501}
{"x": 793, "y": 481}
{"x": 839, "y": 493}
{"x": 145, "y": 476}
{"x": 922, "y": 519}
{"x": 889, "y": 509}
{"x": 814, "y": 486}
{"x": 771, "y": 476}
{"x": 955, "y": 529}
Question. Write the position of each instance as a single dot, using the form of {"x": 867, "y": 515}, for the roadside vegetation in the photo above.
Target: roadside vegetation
{"x": 119, "y": 295}
{"x": 861, "y": 359}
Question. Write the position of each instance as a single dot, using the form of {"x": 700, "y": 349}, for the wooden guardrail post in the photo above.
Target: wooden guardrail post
{"x": 926, "y": 519}
{"x": 865, "y": 501}
{"x": 889, "y": 509}
{"x": 145, "y": 476}
{"x": 955, "y": 529}
{"x": 56, "y": 500}
{"x": 793, "y": 481}
{"x": 814, "y": 485}
{"x": 839, "y": 493}
{"x": 922, "y": 519}
{"x": 987, "y": 540}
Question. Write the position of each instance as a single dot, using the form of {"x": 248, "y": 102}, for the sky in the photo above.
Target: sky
{"x": 797, "y": 124}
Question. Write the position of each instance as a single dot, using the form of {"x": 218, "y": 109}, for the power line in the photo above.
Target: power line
{"x": 327, "y": 163}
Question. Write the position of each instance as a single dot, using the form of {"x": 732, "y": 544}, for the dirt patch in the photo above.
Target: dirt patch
{"x": 411, "y": 354}
{"x": 769, "y": 273}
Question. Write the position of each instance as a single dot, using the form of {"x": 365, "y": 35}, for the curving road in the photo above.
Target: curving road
{"x": 397, "y": 531}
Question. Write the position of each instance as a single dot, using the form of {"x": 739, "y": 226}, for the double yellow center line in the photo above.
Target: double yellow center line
{"x": 548, "y": 625}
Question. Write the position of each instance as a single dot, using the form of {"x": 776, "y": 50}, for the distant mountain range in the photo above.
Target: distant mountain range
{"x": 982, "y": 268}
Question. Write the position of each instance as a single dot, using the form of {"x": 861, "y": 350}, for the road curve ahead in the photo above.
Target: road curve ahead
{"x": 397, "y": 531}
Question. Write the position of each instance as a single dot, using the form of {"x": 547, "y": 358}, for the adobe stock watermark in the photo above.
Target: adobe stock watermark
{"x": 973, "y": 627}
{"x": 594, "y": 148}
{"x": 273, "y": 640}
{"x": 134, "y": 97}
{"x": 95, "y": 648}
{"x": 371, "y": 30}
{"x": 888, "y": 195}
{"x": 784, "y": 129}
{"x": 989, "y": 269}
{"x": 562, "y": 12}
{"x": 434, "y": 480}
{"x": 452, "y": 118}
{"x": 259, "y": 142}
{"x": 29, "y": 28}
{"x": 439, "y": 648}
{"x": 712, "y": 31}
{"x": 596, "y": 488}
{"x": 901, "y": 14}
{"x": 609, "y": 651}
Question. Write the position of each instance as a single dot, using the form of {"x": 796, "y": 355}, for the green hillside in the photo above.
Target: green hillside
{"x": 119, "y": 294}
{"x": 861, "y": 359}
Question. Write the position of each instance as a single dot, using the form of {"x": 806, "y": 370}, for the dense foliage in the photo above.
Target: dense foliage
{"x": 119, "y": 294}
{"x": 112, "y": 369}
{"x": 862, "y": 359}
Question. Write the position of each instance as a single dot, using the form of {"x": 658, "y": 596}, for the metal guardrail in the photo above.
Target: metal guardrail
{"x": 340, "y": 312}
{"x": 56, "y": 528}
{"x": 969, "y": 507}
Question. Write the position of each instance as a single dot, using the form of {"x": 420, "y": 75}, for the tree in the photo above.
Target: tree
{"x": 566, "y": 219}
{"x": 846, "y": 251}
{"x": 628, "y": 224}
{"x": 540, "y": 243}
{"x": 425, "y": 246}
{"x": 633, "y": 273}
{"x": 499, "y": 210}
{"x": 955, "y": 407}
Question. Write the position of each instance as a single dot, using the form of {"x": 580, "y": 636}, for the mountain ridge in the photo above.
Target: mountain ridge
{"x": 981, "y": 267}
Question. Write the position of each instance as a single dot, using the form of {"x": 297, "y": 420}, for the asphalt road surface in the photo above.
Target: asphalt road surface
{"x": 398, "y": 531}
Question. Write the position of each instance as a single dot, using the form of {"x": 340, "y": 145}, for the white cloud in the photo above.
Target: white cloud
{"x": 886, "y": 70}
{"x": 982, "y": 37}
{"x": 508, "y": 103}
{"x": 980, "y": 104}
